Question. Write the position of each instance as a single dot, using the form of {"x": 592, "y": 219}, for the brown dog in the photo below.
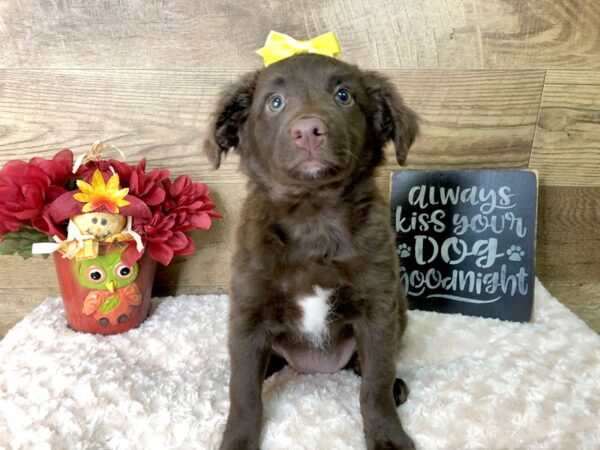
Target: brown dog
{"x": 315, "y": 274}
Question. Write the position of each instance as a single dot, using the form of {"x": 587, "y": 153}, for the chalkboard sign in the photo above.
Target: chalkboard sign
{"x": 466, "y": 240}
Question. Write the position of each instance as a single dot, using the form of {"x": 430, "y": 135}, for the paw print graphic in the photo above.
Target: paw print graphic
{"x": 403, "y": 250}
{"x": 515, "y": 253}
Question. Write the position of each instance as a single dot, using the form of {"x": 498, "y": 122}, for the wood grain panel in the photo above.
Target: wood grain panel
{"x": 568, "y": 239}
{"x": 573, "y": 77}
{"x": 18, "y": 302}
{"x": 566, "y": 149}
{"x": 160, "y": 115}
{"x": 496, "y": 34}
{"x": 581, "y": 298}
{"x": 539, "y": 33}
{"x": 151, "y": 34}
{"x": 469, "y": 118}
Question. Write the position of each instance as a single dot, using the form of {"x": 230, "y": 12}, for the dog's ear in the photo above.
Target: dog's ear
{"x": 233, "y": 107}
{"x": 391, "y": 119}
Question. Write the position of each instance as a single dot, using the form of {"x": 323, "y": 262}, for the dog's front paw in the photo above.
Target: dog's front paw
{"x": 395, "y": 439}
{"x": 239, "y": 443}
{"x": 388, "y": 444}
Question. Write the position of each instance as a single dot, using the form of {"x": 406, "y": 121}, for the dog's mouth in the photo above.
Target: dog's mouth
{"x": 315, "y": 168}
{"x": 312, "y": 165}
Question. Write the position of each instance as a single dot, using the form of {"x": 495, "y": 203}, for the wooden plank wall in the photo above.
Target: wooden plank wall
{"x": 498, "y": 83}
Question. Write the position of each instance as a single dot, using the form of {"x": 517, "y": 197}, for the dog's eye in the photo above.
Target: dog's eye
{"x": 343, "y": 97}
{"x": 275, "y": 103}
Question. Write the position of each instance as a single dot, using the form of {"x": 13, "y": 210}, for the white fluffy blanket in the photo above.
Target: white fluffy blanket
{"x": 475, "y": 383}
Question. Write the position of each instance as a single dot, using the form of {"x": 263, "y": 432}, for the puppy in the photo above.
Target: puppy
{"x": 315, "y": 274}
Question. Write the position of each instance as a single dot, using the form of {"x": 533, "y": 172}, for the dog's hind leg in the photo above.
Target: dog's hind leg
{"x": 400, "y": 388}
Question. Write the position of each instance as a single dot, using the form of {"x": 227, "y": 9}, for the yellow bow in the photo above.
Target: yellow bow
{"x": 280, "y": 46}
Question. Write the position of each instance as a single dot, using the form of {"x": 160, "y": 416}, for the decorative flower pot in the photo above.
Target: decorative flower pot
{"x": 94, "y": 214}
{"x": 103, "y": 295}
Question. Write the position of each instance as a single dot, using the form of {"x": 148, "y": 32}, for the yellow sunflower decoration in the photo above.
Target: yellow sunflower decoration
{"x": 100, "y": 194}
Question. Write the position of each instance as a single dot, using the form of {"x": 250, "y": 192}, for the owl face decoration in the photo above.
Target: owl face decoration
{"x": 106, "y": 272}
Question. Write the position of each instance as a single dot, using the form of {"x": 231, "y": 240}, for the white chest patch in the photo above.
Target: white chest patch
{"x": 315, "y": 309}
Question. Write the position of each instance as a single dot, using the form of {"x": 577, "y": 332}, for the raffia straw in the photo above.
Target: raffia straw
{"x": 95, "y": 154}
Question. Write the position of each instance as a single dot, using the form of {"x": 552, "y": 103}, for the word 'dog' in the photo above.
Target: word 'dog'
{"x": 454, "y": 250}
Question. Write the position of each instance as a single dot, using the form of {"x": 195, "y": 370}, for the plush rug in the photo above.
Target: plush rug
{"x": 475, "y": 383}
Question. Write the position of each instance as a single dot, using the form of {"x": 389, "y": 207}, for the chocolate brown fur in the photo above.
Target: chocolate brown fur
{"x": 313, "y": 217}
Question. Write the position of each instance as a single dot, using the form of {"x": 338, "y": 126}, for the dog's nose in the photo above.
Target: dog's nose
{"x": 309, "y": 133}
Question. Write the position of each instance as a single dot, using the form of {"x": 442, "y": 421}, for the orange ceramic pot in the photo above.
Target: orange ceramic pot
{"x": 103, "y": 295}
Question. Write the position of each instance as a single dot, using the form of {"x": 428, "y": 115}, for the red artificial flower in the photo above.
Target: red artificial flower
{"x": 161, "y": 239}
{"x": 107, "y": 169}
{"x": 7, "y": 223}
{"x": 40, "y": 194}
{"x": 59, "y": 168}
{"x": 190, "y": 203}
{"x": 148, "y": 186}
{"x": 48, "y": 226}
{"x": 25, "y": 192}
{"x": 145, "y": 186}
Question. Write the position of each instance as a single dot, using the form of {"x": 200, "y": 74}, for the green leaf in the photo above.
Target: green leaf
{"x": 20, "y": 242}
